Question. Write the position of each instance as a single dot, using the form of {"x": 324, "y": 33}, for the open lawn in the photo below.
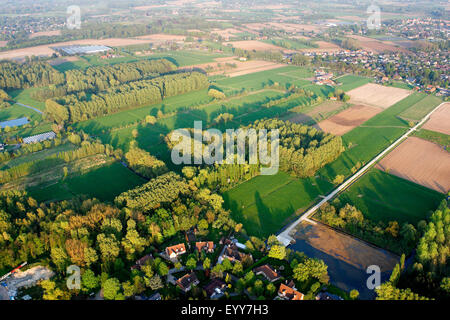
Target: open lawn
{"x": 384, "y": 197}
{"x": 265, "y": 204}
{"x": 17, "y": 111}
{"x": 350, "y": 82}
{"x": 185, "y": 58}
{"x": 103, "y": 183}
{"x": 23, "y": 96}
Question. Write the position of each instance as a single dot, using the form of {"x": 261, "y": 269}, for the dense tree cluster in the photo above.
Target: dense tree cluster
{"x": 31, "y": 74}
{"x": 144, "y": 163}
{"x": 429, "y": 274}
{"x": 80, "y": 106}
{"x": 303, "y": 149}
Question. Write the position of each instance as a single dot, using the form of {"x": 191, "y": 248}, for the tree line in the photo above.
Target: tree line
{"x": 29, "y": 74}
{"x": 80, "y": 106}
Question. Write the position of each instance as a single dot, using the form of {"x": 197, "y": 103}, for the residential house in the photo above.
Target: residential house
{"x": 207, "y": 246}
{"x": 233, "y": 254}
{"x": 289, "y": 292}
{"x": 176, "y": 250}
{"x": 216, "y": 288}
{"x": 186, "y": 281}
{"x": 266, "y": 271}
{"x": 139, "y": 263}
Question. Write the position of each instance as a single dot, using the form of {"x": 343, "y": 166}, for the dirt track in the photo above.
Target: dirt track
{"x": 420, "y": 161}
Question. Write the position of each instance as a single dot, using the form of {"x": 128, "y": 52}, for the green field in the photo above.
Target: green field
{"x": 103, "y": 183}
{"x": 185, "y": 58}
{"x": 23, "y": 96}
{"x": 284, "y": 76}
{"x": 350, "y": 82}
{"x": 265, "y": 204}
{"x": 421, "y": 108}
{"x": 72, "y": 65}
{"x": 435, "y": 137}
{"x": 17, "y": 111}
{"x": 384, "y": 197}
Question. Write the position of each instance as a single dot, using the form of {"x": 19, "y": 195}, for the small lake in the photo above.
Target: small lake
{"x": 347, "y": 258}
{"x": 14, "y": 123}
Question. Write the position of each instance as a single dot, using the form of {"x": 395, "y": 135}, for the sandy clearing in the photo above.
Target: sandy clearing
{"x": 45, "y": 33}
{"x": 348, "y": 119}
{"x": 440, "y": 120}
{"x": 3, "y": 43}
{"x": 421, "y": 162}
{"x": 226, "y": 33}
{"x": 255, "y": 45}
{"x": 46, "y": 50}
{"x": 377, "y": 95}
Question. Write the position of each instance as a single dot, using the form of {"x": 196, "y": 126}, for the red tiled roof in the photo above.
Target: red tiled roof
{"x": 177, "y": 249}
{"x": 268, "y": 272}
{"x": 289, "y": 293}
{"x": 204, "y": 245}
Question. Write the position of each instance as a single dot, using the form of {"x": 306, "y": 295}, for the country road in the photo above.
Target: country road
{"x": 32, "y": 108}
{"x": 285, "y": 238}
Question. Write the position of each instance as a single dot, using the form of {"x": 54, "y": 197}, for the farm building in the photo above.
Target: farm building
{"x": 39, "y": 137}
{"x": 78, "y": 49}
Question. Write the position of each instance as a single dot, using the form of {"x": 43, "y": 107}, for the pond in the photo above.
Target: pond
{"x": 14, "y": 123}
{"x": 347, "y": 258}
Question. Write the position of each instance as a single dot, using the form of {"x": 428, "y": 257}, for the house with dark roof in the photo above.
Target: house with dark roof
{"x": 186, "y": 281}
{"x": 207, "y": 246}
{"x": 266, "y": 271}
{"x": 216, "y": 288}
{"x": 176, "y": 250}
{"x": 139, "y": 263}
{"x": 289, "y": 292}
{"x": 233, "y": 254}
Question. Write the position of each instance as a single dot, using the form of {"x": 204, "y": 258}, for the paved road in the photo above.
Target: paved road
{"x": 32, "y": 108}
{"x": 285, "y": 238}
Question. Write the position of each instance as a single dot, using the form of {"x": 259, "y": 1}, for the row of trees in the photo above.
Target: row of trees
{"x": 144, "y": 163}
{"x": 79, "y": 107}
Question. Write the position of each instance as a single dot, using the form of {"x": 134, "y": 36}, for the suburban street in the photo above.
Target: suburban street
{"x": 285, "y": 238}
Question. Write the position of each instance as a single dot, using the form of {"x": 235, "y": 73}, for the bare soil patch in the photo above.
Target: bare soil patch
{"x": 233, "y": 68}
{"x": 323, "y": 47}
{"x": 377, "y": 46}
{"x": 3, "y": 43}
{"x": 45, "y": 33}
{"x": 377, "y": 95}
{"x": 420, "y": 161}
{"x": 440, "y": 120}
{"x": 58, "y": 61}
{"x": 348, "y": 119}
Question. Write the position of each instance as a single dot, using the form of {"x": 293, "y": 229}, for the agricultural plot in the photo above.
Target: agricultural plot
{"x": 436, "y": 137}
{"x": 370, "y": 138}
{"x": 251, "y": 45}
{"x": 421, "y": 108}
{"x": 103, "y": 183}
{"x": 440, "y": 120}
{"x": 17, "y": 111}
{"x": 348, "y": 119}
{"x": 187, "y": 58}
{"x": 384, "y": 197}
{"x": 377, "y": 95}
{"x": 265, "y": 204}
{"x": 419, "y": 161}
{"x": 310, "y": 115}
